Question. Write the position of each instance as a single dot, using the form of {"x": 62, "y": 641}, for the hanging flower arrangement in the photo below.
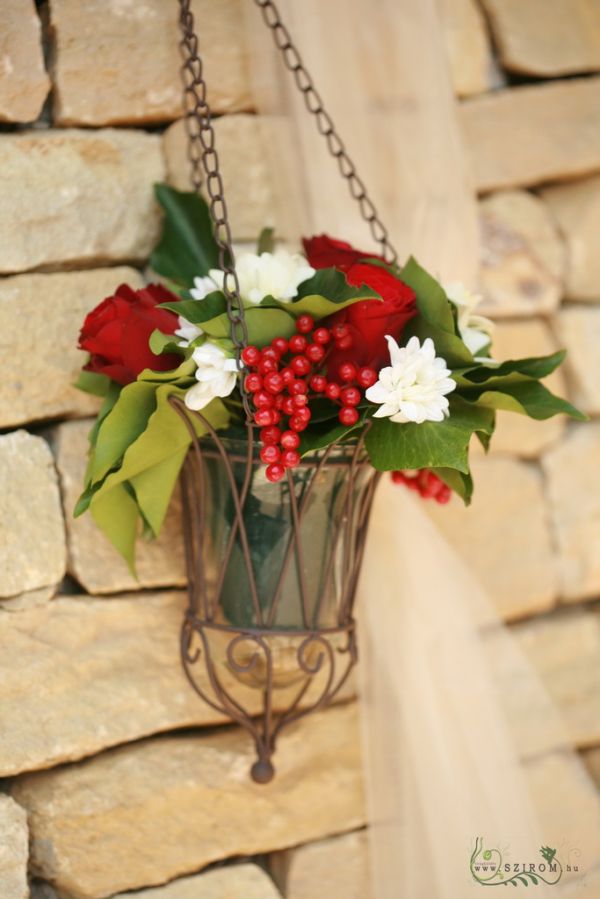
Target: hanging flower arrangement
{"x": 339, "y": 343}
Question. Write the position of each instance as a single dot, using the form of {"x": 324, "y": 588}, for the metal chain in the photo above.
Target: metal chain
{"x": 314, "y": 104}
{"x": 203, "y": 157}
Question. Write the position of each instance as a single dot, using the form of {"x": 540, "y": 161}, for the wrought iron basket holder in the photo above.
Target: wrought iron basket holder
{"x": 268, "y": 636}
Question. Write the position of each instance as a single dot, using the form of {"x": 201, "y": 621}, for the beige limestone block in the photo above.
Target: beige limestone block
{"x": 578, "y": 330}
{"x": 337, "y": 867}
{"x": 527, "y": 135}
{"x": 546, "y": 37}
{"x": 504, "y": 536}
{"x": 93, "y": 561}
{"x": 573, "y": 475}
{"x": 467, "y": 46}
{"x": 14, "y": 850}
{"x": 81, "y": 674}
{"x": 33, "y": 552}
{"x": 229, "y": 882}
{"x": 592, "y": 762}
{"x": 518, "y": 434}
{"x": 569, "y": 812}
{"x": 143, "y": 814}
{"x": 117, "y": 62}
{"x": 522, "y": 255}
{"x": 564, "y": 648}
{"x": 43, "y": 315}
{"x": 243, "y": 155}
{"x": 24, "y": 84}
{"x": 77, "y": 198}
{"x": 576, "y": 208}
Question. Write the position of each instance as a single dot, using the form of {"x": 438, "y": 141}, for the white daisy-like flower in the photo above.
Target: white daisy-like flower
{"x": 414, "y": 386}
{"x": 475, "y": 330}
{"x": 275, "y": 274}
{"x": 216, "y": 375}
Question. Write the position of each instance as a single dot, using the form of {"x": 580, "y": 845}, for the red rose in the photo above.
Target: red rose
{"x": 117, "y": 332}
{"x": 325, "y": 252}
{"x": 370, "y": 320}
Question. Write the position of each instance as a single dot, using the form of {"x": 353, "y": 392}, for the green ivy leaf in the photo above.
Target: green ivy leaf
{"x": 323, "y": 434}
{"x": 199, "y": 311}
{"x": 187, "y": 247}
{"x": 532, "y": 367}
{"x": 432, "y": 444}
{"x": 330, "y": 283}
{"x": 525, "y": 396}
{"x": 459, "y": 482}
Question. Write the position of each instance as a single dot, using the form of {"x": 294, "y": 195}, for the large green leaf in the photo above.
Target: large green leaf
{"x": 122, "y": 426}
{"x": 525, "y": 396}
{"x": 116, "y": 514}
{"x": 436, "y": 317}
{"x": 330, "y": 283}
{"x": 432, "y": 444}
{"x": 262, "y": 326}
{"x": 154, "y": 487}
{"x": 459, "y": 482}
{"x": 532, "y": 367}
{"x": 187, "y": 247}
{"x": 199, "y": 311}
{"x": 93, "y": 382}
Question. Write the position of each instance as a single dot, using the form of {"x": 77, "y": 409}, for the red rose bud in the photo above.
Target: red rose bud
{"x": 326, "y": 252}
{"x": 117, "y": 332}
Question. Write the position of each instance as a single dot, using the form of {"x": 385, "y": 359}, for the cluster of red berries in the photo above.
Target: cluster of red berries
{"x": 285, "y": 376}
{"x": 425, "y": 482}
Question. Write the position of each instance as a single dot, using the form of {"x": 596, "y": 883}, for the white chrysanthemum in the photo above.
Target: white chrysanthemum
{"x": 268, "y": 274}
{"x": 414, "y": 386}
{"x": 216, "y": 375}
{"x": 186, "y": 330}
{"x": 475, "y": 330}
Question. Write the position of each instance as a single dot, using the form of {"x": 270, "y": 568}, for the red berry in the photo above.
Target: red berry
{"x": 332, "y": 391}
{"x": 275, "y": 416}
{"x": 301, "y": 365}
{"x": 297, "y": 424}
{"x": 366, "y": 377}
{"x": 262, "y": 399}
{"x": 348, "y": 415}
{"x": 264, "y": 417}
{"x": 251, "y": 355}
{"x": 273, "y": 382}
{"x": 303, "y": 413}
{"x": 315, "y": 352}
{"x": 288, "y": 405}
{"x": 350, "y": 396}
{"x": 290, "y": 440}
{"x": 287, "y": 374}
{"x": 275, "y": 472}
{"x": 280, "y": 344}
{"x": 347, "y": 372}
{"x": 290, "y": 458}
{"x": 299, "y": 400}
{"x": 270, "y": 435}
{"x": 270, "y": 453}
{"x": 340, "y": 331}
{"x": 279, "y": 401}
{"x": 267, "y": 365}
{"x": 297, "y": 343}
{"x": 305, "y": 324}
{"x": 253, "y": 382}
{"x": 298, "y": 386}
{"x": 318, "y": 383}
{"x": 270, "y": 352}
{"x": 344, "y": 343}
{"x": 322, "y": 335}
{"x": 444, "y": 495}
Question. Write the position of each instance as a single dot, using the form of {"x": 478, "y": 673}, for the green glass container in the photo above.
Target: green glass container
{"x": 303, "y": 535}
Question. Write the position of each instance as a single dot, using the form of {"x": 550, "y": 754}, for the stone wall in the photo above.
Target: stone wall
{"x": 107, "y": 777}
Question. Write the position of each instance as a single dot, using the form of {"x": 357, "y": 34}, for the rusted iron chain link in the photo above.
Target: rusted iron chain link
{"x": 325, "y": 126}
{"x": 203, "y": 157}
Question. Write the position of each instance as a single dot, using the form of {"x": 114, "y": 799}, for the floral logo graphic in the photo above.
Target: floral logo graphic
{"x": 489, "y": 869}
